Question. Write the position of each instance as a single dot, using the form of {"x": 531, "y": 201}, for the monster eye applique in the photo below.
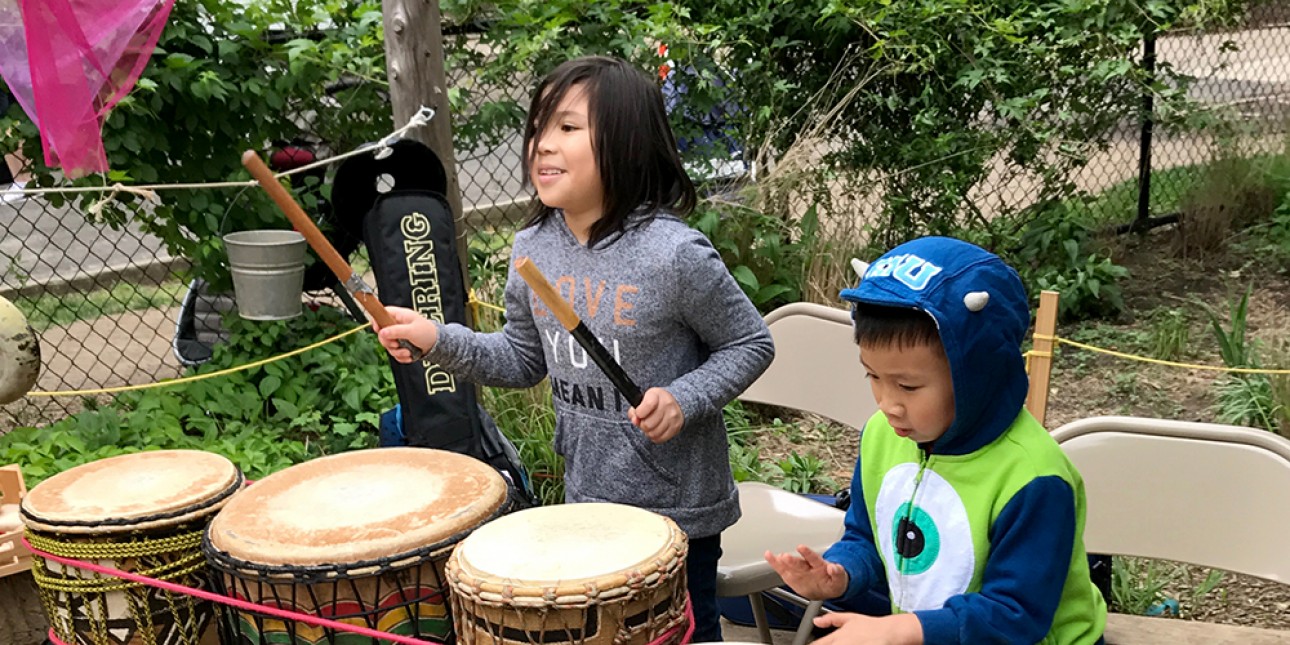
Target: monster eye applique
{"x": 924, "y": 536}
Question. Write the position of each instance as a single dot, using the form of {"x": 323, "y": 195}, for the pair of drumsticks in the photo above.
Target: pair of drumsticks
{"x": 363, "y": 294}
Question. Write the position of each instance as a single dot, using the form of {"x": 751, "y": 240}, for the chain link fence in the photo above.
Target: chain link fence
{"x": 1241, "y": 76}
{"x": 109, "y": 303}
{"x": 106, "y": 300}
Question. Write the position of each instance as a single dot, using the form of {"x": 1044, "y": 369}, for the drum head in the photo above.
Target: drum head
{"x": 358, "y": 506}
{"x": 568, "y": 543}
{"x": 132, "y": 492}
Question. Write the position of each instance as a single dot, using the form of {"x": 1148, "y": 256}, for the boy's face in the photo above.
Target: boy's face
{"x": 913, "y": 387}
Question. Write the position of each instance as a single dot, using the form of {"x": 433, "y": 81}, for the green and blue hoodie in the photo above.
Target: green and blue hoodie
{"x": 979, "y": 533}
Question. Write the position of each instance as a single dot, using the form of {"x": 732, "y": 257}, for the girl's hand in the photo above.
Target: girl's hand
{"x": 409, "y": 325}
{"x": 855, "y": 629}
{"x": 658, "y": 416}
{"x": 810, "y": 575}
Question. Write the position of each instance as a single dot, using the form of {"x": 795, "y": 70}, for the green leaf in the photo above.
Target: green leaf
{"x": 352, "y": 399}
{"x": 269, "y": 385}
{"x": 745, "y": 278}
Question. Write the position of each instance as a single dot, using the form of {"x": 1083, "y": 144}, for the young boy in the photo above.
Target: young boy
{"x": 964, "y": 512}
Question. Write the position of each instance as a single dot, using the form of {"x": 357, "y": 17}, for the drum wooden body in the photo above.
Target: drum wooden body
{"x": 585, "y": 574}
{"x": 359, "y": 537}
{"x": 144, "y": 513}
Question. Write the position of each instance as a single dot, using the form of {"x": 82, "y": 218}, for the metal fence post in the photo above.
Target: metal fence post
{"x": 1148, "y": 122}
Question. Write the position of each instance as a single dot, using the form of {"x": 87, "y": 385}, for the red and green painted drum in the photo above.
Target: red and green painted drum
{"x": 359, "y": 537}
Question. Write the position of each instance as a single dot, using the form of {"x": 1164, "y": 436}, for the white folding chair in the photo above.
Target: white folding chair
{"x": 816, "y": 369}
{"x": 1210, "y": 495}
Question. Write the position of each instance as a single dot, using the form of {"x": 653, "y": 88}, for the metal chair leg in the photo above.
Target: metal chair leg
{"x": 759, "y": 616}
{"x": 808, "y": 621}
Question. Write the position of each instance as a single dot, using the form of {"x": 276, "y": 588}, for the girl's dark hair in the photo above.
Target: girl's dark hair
{"x": 880, "y": 326}
{"x": 635, "y": 150}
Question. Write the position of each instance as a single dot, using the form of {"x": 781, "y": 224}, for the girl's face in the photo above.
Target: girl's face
{"x": 564, "y": 167}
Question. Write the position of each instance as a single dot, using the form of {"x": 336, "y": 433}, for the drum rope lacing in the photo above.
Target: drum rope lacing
{"x": 503, "y": 595}
{"x": 236, "y": 603}
{"x": 276, "y": 612}
{"x": 93, "y": 590}
{"x": 145, "y": 548}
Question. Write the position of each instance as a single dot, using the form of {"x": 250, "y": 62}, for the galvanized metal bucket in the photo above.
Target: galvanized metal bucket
{"x": 268, "y": 270}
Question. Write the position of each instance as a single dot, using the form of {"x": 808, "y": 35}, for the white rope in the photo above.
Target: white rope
{"x": 149, "y": 191}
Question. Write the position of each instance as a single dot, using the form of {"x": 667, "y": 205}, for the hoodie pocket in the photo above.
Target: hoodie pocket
{"x": 615, "y": 462}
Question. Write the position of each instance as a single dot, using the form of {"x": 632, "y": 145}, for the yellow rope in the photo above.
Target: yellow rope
{"x": 46, "y": 578}
{"x": 116, "y": 550}
{"x": 476, "y": 302}
{"x": 200, "y": 377}
{"x": 472, "y": 302}
{"x": 1147, "y": 359}
{"x": 184, "y": 548}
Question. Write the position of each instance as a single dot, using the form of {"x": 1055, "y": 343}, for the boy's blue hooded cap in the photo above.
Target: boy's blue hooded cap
{"x": 981, "y": 311}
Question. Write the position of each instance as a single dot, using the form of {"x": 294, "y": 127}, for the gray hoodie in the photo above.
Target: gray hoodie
{"x": 662, "y": 302}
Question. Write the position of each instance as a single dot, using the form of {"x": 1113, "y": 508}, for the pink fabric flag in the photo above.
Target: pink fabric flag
{"x": 67, "y": 62}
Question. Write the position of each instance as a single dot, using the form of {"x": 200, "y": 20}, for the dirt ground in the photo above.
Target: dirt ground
{"x": 1087, "y": 385}
{"x": 22, "y": 621}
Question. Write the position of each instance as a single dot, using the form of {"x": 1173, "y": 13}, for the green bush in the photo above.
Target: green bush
{"x": 266, "y": 418}
{"x": 929, "y": 96}
{"x": 1057, "y": 251}
{"x": 767, "y": 255}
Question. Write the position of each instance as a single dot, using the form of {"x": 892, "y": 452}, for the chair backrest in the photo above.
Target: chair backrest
{"x": 817, "y": 365}
{"x": 1210, "y": 495}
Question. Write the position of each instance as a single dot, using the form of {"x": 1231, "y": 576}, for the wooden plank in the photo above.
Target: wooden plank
{"x": 415, "y": 70}
{"x": 12, "y": 487}
{"x": 1140, "y": 630}
{"x": 14, "y": 557}
{"x": 1041, "y": 357}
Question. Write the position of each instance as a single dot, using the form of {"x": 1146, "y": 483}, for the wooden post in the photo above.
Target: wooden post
{"x": 1041, "y": 357}
{"x": 414, "y": 65}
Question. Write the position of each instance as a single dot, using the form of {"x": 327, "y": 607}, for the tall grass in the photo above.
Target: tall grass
{"x": 1245, "y": 399}
{"x": 527, "y": 418}
{"x": 1139, "y": 587}
{"x": 1170, "y": 334}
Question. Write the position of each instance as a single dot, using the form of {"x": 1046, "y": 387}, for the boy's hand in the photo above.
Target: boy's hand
{"x": 659, "y": 416}
{"x": 408, "y": 324}
{"x": 856, "y": 629}
{"x": 810, "y": 575}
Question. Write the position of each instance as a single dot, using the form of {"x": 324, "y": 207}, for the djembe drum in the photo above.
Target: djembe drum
{"x": 358, "y": 537}
{"x": 593, "y": 574}
{"x": 143, "y": 513}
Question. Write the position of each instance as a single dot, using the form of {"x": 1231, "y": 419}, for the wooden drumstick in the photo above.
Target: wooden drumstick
{"x": 326, "y": 252}
{"x": 569, "y": 320}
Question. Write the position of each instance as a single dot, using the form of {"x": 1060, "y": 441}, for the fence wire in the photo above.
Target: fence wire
{"x": 106, "y": 300}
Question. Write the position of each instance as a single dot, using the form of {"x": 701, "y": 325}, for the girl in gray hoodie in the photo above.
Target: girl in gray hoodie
{"x": 608, "y": 233}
